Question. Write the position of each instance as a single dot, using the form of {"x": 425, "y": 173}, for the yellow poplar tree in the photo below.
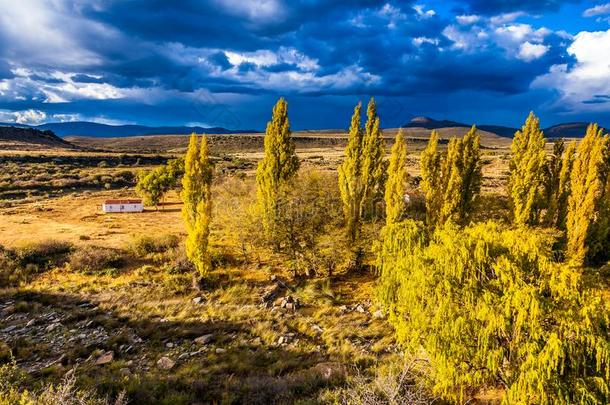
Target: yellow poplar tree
{"x": 373, "y": 151}
{"x": 278, "y": 166}
{"x": 451, "y": 181}
{"x": 588, "y": 218}
{"x": 527, "y": 168}
{"x": 197, "y": 199}
{"x": 557, "y": 183}
{"x": 351, "y": 182}
{"x": 431, "y": 179}
{"x": 395, "y": 187}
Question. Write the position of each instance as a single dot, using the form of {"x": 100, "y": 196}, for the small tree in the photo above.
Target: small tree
{"x": 351, "y": 184}
{"x": 197, "y": 199}
{"x": 488, "y": 307}
{"x": 527, "y": 167}
{"x": 154, "y": 184}
{"x": 278, "y": 166}
{"x": 588, "y": 218}
{"x": 395, "y": 187}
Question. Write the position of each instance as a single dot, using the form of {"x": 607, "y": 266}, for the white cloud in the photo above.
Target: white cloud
{"x": 587, "y": 78}
{"x": 425, "y": 40}
{"x": 505, "y": 18}
{"x": 257, "y": 11}
{"x": 529, "y": 51}
{"x": 601, "y": 9}
{"x": 421, "y": 11}
{"x": 467, "y": 19}
{"x": 28, "y": 117}
{"x": 269, "y": 58}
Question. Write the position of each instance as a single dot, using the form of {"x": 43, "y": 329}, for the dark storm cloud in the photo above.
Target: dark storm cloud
{"x": 158, "y": 57}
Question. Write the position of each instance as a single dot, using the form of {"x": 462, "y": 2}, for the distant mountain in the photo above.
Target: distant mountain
{"x": 111, "y": 131}
{"x": 567, "y": 130}
{"x": 431, "y": 123}
{"x": 32, "y": 136}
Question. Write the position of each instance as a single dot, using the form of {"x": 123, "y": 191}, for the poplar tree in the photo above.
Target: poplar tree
{"x": 373, "y": 151}
{"x": 489, "y": 307}
{"x": 395, "y": 187}
{"x": 588, "y": 217}
{"x": 527, "y": 167}
{"x": 278, "y": 166}
{"x": 351, "y": 184}
{"x": 451, "y": 181}
{"x": 197, "y": 199}
{"x": 557, "y": 183}
{"x": 431, "y": 179}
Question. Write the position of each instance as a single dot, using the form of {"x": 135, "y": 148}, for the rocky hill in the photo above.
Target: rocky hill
{"x": 19, "y": 138}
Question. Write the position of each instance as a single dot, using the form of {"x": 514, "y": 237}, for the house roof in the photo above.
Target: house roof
{"x": 127, "y": 201}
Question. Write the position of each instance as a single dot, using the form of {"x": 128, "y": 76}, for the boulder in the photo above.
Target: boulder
{"x": 104, "y": 358}
{"x": 204, "y": 339}
{"x": 165, "y": 363}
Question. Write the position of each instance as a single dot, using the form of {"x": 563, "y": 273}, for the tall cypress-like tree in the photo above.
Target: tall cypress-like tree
{"x": 197, "y": 199}
{"x": 395, "y": 187}
{"x": 557, "y": 183}
{"x": 588, "y": 219}
{"x": 431, "y": 179}
{"x": 451, "y": 181}
{"x": 351, "y": 182}
{"x": 373, "y": 151}
{"x": 527, "y": 167}
{"x": 279, "y": 165}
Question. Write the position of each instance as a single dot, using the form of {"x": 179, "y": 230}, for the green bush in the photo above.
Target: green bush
{"x": 21, "y": 264}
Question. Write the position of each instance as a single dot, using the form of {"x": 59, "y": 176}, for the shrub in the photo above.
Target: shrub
{"x": 489, "y": 307}
{"x": 145, "y": 245}
{"x": 21, "y": 264}
{"x": 93, "y": 259}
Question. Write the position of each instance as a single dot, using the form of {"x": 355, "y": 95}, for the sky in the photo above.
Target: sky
{"x": 225, "y": 62}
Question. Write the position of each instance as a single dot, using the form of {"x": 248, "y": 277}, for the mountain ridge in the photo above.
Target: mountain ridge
{"x": 98, "y": 130}
{"x": 566, "y": 130}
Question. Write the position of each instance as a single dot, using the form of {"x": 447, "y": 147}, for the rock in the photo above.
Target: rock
{"x": 183, "y": 356}
{"x": 52, "y": 327}
{"x": 271, "y": 293}
{"x": 204, "y": 339}
{"x": 378, "y": 314}
{"x": 31, "y": 322}
{"x": 9, "y": 329}
{"x": 104, "y": 358}
{"x": 360, "y": 309}
{"x": 220, "y": 350}
{"x": 125, "y": 372}
{"x": 165, "y": 363}
{"x": 317, "y": 329}
{"x": 343, "y": 308}
{"x": 330, "y": 370}
{"x": 257, "y": 341}
{"x": 197, "y": 300}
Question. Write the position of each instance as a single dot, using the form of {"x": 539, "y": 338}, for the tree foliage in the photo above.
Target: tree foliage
{"x": 488, "y": 307}
{"x": 527, "y": 170}
{"x": 279, "y": 165}
{"x": 395, "y": 187}
{"x": 197, "y": 198}
{"x": 588, "y": 217}
{"x": 451, "y": 181}
{"x": 154, "y": 184}
{"x": 351, "y": 184}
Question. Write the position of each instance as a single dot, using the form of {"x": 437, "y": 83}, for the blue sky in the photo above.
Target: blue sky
{"x": 225, "y": 62}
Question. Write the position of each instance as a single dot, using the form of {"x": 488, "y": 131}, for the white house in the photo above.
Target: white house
{"x": 122, "y": 206}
